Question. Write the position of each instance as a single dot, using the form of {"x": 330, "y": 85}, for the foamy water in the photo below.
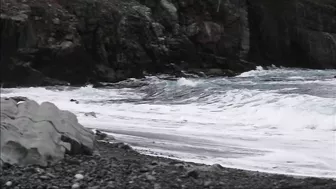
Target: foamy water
{"x": 279, "y": 120}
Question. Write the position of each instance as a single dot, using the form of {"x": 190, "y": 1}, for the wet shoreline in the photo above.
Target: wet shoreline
{"x": 119, "y": 166}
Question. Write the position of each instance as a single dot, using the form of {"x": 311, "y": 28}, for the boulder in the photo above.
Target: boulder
{"x": 40, "y": 134}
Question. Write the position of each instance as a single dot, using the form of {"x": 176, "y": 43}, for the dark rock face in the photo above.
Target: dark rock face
{"x": 47, "y": 42}
{"x": 79, "y": 41}
{"x": 300, "y": 33}
{"x": 39, "y": 41}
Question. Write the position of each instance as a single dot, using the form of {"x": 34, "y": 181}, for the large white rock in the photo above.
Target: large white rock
{"x": 40, "y": 134}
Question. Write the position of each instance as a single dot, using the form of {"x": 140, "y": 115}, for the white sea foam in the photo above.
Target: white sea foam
{"x": 289, "y": 133}
{"x": 257, "y": 71}
{"x": 186, "y": 82}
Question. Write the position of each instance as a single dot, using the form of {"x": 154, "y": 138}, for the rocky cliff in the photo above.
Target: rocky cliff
{"x": 47, "y": 42}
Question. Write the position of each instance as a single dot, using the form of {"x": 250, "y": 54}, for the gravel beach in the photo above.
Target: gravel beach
{"x": 119, "y": 166}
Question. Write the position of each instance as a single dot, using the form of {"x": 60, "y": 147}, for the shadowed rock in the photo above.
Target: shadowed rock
{"x": 293, "y": 33}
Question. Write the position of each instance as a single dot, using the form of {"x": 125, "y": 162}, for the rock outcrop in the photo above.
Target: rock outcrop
{"x": 40, "y": 134}
{"x": 49, "y": 42}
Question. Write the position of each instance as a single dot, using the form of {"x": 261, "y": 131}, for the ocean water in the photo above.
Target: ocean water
{"x": 276, "y": 120}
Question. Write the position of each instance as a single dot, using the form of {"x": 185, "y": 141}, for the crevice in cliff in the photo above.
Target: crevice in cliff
{"x": 291, "y": 33}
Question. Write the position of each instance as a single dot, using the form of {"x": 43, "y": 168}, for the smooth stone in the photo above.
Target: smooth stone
{"x": 9, "y": 183}
{"x": 75, "y": 186}
{"x": 79, "y": 176}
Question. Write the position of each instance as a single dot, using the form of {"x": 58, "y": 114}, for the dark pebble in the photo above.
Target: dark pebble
{"x": 193, "y": 173}
{"x": 73, "y": 100}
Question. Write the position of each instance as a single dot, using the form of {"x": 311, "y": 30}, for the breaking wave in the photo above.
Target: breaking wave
{"x": 285, "y": 118}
